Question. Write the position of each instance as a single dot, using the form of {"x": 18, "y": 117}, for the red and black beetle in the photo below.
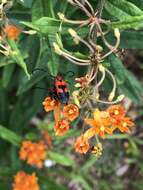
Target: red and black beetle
{"x": 59, "y": 91}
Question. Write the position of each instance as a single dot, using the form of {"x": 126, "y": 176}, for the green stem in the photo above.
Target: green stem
{"x": 101, "y": 6}
{"x": 97, "y": 139}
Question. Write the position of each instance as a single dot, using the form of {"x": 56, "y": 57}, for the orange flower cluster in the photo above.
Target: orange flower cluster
{"x": 103, "y": 122}
{"x": 24, "y": 181}
{"x": 62, "y": 117}
{"x": 33, "y": 153}
{"x": 12, "y": 31}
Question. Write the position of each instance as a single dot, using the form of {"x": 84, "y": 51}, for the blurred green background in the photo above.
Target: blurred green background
{"x": 21, "y": 112}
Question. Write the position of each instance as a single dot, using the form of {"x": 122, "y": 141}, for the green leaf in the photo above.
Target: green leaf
{"x": 135, "y": 22}
{"x": 7, "y": 74}
{"x": 48, "y": 183}
{"x": 89, "y": 163}
{"x": 138, "y": 3}
{"x": 118, "y": 68}
{"x": 4, "y": 61}
{"x": 128, "y": 14}
{"x": 37, "y": 10}
{"x": 26, "y": 3}
{"x": 134, "y": 87}
{"x": 42, "y": 8}
{"x": 82, "y": 181}
{"x": 131, "y": 39}
{"x": 122, "y": 9}
{"x": 4, "y": 102}
{"x": 46, "y": 25}
{"x": 54, "y": 59}
{"x": 127, "y": 82}
{"x": 10, "y": 136}
{"x": 60, "y": 159}
{"x": 27, "y": 84}
{"x": 117, "y": 136}
{"x": 32, "y": 136}
{"x": 50, "y": 9}
{"x": 17, "y": 56}
{"x": 6, "y": 171}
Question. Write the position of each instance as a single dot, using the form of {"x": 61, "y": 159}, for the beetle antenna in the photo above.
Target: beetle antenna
{"x": 43, "y": 70}
{"x": 39, "y": 88}
{"x": 38, "y": 69}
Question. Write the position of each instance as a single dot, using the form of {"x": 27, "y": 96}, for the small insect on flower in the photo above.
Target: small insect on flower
{"x": 60, "y": 90}
{"x": 24, "y": 181}
{"x": 97, "y": 150}
{"x": 33, "y": 153}
{"x": 12, "y": 31}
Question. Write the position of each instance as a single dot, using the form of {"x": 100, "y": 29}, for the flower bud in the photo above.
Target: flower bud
{"x": 121, "y": 97}
{"x": 77, "y": 85}
{"x": 30, "y": 32}
{"x": 75, "y": 95}
{"x": 101, "y": 68}
{"x": 57, "y": 49}
{"x": 117, "y": 33}
{"x": 72, "y": 32}
{"x": 111, "y": 96}
{"x": 99, "y": 48}
{"x": 97, "y": 96}
{"x": 61, "y": 16}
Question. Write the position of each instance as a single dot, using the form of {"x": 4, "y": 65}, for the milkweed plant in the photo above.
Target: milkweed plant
{"x": 67, "y": 91}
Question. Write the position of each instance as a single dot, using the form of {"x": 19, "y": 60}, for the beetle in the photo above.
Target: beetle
{"x": 59, "y": 91}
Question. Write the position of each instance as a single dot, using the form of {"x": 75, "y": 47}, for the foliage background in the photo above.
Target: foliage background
{"x": 21, "y": 109}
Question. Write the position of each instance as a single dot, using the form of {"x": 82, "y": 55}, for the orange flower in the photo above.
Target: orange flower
{"x": 71, "y": 112}
{"x": 116, "y": 111}
{"x": 61, "y": 127}
{"x": 118, "y": 119}
{"x": 12, "y": 31}
{"x": 123, "y": 125}
{"x": 24, "y": 181}
{"x": 100, "y": 124}
{"x": 50, "y": 104}
{"x": 81, "y": 145}
{"x": 33, "y": 153}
